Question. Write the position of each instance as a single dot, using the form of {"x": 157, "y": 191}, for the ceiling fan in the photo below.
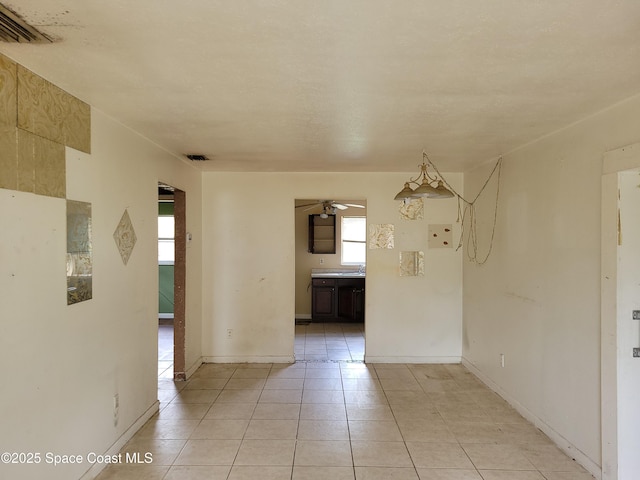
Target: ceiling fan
{"x": 329, "y": 206}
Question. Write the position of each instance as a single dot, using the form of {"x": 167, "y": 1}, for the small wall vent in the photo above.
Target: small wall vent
{"x": 197, "y": 157}
{"x": 14, "y": 29}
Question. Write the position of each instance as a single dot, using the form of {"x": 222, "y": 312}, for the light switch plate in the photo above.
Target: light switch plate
{"x": 636, "y": 353}
{"x": 636, "y": 314}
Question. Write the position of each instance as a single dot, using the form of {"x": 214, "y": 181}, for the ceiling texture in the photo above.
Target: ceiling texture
{"x": 338, "y": 85}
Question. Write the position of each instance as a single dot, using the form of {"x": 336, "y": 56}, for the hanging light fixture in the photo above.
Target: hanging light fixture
{"x": 427, "y": 186}
{"x": 327, "y": 209}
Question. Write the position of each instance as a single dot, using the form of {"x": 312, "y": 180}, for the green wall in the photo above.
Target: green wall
{"x": 166, "y": 289}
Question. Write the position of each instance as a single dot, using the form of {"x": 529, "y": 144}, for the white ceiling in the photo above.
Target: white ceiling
{"x": 339, "y": 85}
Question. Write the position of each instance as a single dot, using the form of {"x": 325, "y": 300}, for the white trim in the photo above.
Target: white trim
{"x": 608, "y": 326}
{"x": 616, "y": 161}
{"x": 192, "y": 369}
{"x": 250, "y": 359}
{"x": 165, "y": 315}
{"x": 621, "y": 159}
{"x": 115, "y": 448}
{"x": 565, "y": 445}
{"x": 385, "y": 359}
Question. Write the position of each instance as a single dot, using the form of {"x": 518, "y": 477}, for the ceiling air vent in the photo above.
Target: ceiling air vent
{"x": 14, "y": 29}
{"x": 196, "y": 157}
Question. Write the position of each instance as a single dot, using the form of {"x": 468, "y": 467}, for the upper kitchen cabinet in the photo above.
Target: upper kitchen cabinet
{"x": 322, "y": 233}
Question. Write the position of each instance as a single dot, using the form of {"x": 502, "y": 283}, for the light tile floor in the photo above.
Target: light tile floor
{"x": 165, "y": 351}
{"x": 339, "y": 420}
{"x": 330, "y": 341}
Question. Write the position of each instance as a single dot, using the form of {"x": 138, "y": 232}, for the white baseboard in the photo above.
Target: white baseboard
{"x": 250, "y": 359}
{"x": 192, "y": 369}
{"x": 166, "y": 315}
{"x": 96, "y": 468}
{"x": 565, "y": 445}
{"x": 387, "y": 359}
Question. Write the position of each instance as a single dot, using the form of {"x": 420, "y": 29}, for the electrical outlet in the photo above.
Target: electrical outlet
{"x": 229, "y": 332}
{"x": 635, "y": 314}
{"x": 636, "y": 352}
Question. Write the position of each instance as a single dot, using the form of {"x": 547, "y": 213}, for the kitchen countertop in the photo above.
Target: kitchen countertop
{"x": 336, "y": 273}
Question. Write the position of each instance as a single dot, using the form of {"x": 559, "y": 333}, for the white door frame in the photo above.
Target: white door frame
{"x": 615, "y": 162}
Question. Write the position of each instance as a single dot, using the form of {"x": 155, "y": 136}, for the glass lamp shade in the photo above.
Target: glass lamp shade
{"x": 405, "y": 193}
{"x": 425, "y": 190}
{"x": 441, "y": 191}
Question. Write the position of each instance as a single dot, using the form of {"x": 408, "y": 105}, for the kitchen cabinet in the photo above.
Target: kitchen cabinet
{"x": 337, "y": 299}
{"x": 323, "y": 299}
{"x": 322, "y": 234}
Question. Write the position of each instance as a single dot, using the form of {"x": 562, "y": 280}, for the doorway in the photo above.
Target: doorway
{"x": 330, "y": 276}
{"x": 172, "y": 239}
{"x": 620, "y": 327}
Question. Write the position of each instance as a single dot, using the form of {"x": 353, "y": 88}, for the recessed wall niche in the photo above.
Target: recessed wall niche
{"x": 79, "y": 261}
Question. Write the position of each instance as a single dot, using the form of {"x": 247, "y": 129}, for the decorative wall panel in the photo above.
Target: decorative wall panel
{"x": 50, "y": 112}
{"x": 440, "y": 236}
{"x": 8, "y": 119}
{"x": 41, "y": 165}
{"x": 8, "y": 158}
{"x": 411, "y": 264}
{"x": 381, "y": 236}
{"x": 125, "y": 237}
{"x": 79, "y": 256}
{"x": 77, "y": 125}
{"x": 40, "y": 106}
{"x": 8, "y": 93}
{"x": 26, "y": 162}
{"x": 412, "y": 210}
{"x": 37, "y": 121}
{"x": 50, "y": 168}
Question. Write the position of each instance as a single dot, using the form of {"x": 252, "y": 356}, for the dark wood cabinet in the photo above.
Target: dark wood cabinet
{"x": 351, "y": 301}
{"x": 323, "y": 299}
{"x": 322, "y": 234}
{"x": 337, "y": 299}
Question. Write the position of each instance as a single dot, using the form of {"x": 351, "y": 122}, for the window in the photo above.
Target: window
{"x": 166, "y": 248}
{"x": 353, "y": 234}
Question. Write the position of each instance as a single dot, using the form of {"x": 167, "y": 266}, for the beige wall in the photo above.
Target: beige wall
{"x": 537, "y": 300}
{"x": 305, "y": 261}
{"x": 249, "y": 269}
{"x": 63, "y": 364}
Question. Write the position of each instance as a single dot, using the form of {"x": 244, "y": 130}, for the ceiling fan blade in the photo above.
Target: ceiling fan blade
{"x": 309, "y": 205}
{"x": 339, "y": 206}
{"x": 354, "y": 205}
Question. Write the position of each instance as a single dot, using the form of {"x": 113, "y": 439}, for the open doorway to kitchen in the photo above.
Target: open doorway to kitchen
{"x": 171, "y": 281}
{"x": 330, "y": 278}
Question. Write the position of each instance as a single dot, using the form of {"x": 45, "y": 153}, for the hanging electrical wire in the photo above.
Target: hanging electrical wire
{"x": 467, "y": 215}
